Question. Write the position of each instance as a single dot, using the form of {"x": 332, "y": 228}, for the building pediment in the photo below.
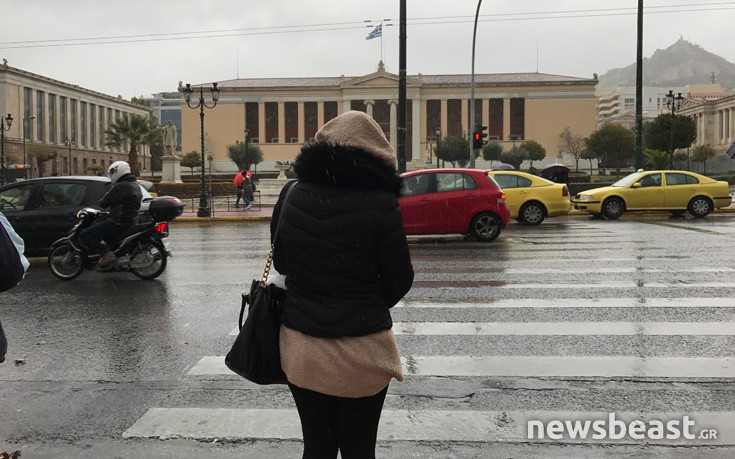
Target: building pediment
{"x": 379, "y": 79}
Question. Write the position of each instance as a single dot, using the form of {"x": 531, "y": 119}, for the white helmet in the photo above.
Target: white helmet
{"x": 117, "y": 170}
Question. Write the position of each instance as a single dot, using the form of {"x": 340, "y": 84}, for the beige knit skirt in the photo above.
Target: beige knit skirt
{"x": 350, "y": 367}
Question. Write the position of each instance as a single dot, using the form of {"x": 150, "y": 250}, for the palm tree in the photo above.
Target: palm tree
{"x": 133, "y": 130}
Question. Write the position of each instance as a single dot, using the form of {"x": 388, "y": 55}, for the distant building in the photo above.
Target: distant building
{"x": 51, "y": 116}
{"x": 165, "y": 107}
{"x": 713, "y": 108}
{"x": 283, "y": 113}
{"x": 618, "y": 105}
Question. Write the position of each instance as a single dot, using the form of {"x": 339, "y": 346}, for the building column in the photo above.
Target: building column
{"x": 319, "y": 115}
{"x": 346, "y": 106}
{"x": 261, "y": 122}
{"x": 393, "y": 103}
{"x": 485, "y": 112}
{"x": 443, "y": 116}
{"x": 369, "y": 107}
{"x": 466, "y": 117}
{"x": 732, "y": 134}
{"x": 300, "y": 116}
{"x": 416, "y": 130}
{"x": 281, "y": 123}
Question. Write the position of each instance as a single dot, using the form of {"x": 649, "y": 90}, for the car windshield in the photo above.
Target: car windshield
{"x": 627, "y": 180}
{"x": 146, "y": 194}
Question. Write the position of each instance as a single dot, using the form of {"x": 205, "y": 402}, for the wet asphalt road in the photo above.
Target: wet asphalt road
{"x": 101, "y": 351}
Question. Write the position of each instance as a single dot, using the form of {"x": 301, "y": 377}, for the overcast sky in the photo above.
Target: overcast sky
{"x": 136, "y": 47}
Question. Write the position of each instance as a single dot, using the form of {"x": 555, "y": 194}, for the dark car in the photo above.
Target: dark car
{"x": 443, "y": 201}
{"x": 43, "y": 210}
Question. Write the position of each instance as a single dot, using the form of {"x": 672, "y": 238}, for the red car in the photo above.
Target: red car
{"x": 444, "y": 201}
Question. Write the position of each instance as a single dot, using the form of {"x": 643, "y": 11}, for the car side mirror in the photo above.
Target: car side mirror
{"x": 636, "y": 185}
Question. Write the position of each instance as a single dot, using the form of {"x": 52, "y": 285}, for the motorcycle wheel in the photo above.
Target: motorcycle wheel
{"x": 152, "y": 253}
{"x": 65, "y": 262}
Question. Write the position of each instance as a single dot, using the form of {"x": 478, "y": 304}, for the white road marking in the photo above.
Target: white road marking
{"x": 566, "y": 328}
{"x": 409, "y": 425}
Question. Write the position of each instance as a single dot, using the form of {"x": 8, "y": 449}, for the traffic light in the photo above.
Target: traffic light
{"x": 479, "y": 136}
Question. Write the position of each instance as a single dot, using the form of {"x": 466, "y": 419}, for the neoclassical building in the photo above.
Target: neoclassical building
{"x": 280, "y": 114}
{"x": 51, "y": 116}
{"x": 714, "y": 113}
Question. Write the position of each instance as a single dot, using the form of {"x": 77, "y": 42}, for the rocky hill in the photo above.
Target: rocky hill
{"x": 678, "y": 65}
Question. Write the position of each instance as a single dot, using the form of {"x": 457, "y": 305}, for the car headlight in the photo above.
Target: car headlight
{"x": 585, "y": 197}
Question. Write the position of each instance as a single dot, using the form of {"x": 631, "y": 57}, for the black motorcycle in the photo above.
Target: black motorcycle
{"x": 142, "y": 249}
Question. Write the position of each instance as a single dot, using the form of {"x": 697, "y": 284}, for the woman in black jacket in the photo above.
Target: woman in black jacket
{"x": 342, "y": 248}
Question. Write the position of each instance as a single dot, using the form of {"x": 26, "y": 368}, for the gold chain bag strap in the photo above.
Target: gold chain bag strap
{"x": 255, "y": 355}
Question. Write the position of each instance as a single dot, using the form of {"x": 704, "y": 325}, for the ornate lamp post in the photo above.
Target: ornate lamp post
{"x": 674, "y": 103}
{"x": 204, "y": 210}
{"x": 69, "y": 142}
{"x": 25, "y": 169}
{"x": 3, "y": 121}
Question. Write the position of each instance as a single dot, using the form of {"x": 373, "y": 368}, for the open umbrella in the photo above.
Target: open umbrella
{"x": 503, "y": 167}
{"x": 558, "y": 173}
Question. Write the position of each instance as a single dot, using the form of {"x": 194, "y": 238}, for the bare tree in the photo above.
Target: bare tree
{"x": 573, "y": 144}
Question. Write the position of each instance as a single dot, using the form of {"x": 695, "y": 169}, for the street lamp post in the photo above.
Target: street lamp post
{"x": 204, "y": 210}
{"x": 438, "y": 133}
{"x": 247, "y": 132}
{"x": 68, "y": 142}
{"x": 3, "y": 121}
{"x": 25, "y": 169}
{"x": 674, "y": 103}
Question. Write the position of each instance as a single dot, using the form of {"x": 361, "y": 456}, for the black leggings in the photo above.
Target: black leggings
{"x": 329, "y": 423}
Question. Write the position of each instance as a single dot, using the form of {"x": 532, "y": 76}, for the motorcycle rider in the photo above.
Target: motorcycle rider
{"x": 123, "y": 201}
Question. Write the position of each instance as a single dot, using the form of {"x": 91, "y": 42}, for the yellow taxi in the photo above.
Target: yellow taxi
{"x": 668, "y": 190}
{"x": 530, "y": 198}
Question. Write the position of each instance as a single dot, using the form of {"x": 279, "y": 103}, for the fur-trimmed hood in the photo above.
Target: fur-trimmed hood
{"x": 344, "y": 167}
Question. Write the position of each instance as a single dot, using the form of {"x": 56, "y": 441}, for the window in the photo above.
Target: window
{"x": 691, "y": 180}
{"x": 676, "y": 179}
{"x": 415, "y": 184}
{"x": 650, "y": 180}
{"x": 52, "y": 118}
{"x": 511, "y": 181}
{"x": 453, "y": 181}
{"x": 15, "y": 198}
{"x": 62, "y": 194}
{"x": 629, "y": 102}
{"x": 62, "y": 118}
{"x": 40, "y": 112}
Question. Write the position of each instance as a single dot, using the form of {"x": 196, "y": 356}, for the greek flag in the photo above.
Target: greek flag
{"x": 377, "y": 32}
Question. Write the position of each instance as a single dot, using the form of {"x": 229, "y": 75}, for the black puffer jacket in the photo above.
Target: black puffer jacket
{"x": 123, "y": 200}
{"x": 341, "y": 244}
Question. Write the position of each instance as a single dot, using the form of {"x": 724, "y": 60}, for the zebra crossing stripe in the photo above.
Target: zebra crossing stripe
{"x": 580, "y": 303}
{"x": 561, "y": 328}
{"x": 412, "y": 425}
{"x": 538, "y": 366}
{"x": 566, "y": 328}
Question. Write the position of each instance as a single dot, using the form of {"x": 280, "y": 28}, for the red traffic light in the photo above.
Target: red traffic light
{"x": 477, "y": 136}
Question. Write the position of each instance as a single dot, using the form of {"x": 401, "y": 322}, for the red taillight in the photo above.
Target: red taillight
{"x": 162, "y": 228}
{"x": 565, "y": 191}
{"x": 501, "y": 199}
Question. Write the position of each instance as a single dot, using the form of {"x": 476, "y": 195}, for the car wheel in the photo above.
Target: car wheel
{"x": 613, "y": 208}
{"x": 700, "y": 206}
{"x": 485, "y": 227}
{"x": 65, "y": 262}
{"x": 532, "y": 213}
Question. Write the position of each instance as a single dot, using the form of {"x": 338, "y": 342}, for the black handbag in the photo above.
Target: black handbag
{"x": 256, "y": 355}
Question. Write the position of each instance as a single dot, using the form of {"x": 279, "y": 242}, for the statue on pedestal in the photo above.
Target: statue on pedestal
{"x": 170, "y": 139}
